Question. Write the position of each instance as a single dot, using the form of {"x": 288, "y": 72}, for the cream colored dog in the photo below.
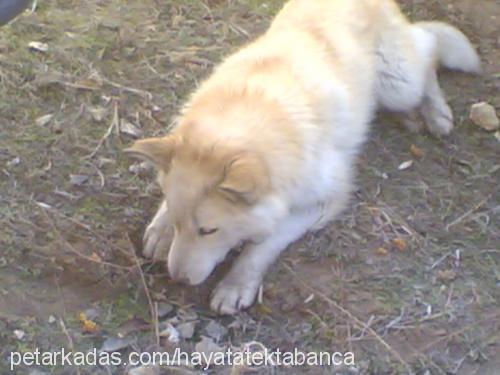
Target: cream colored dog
{"x": 264, "y": 151}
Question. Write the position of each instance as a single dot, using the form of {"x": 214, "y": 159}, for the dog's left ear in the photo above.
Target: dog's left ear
{"x": 158, "y": 151}
{"x": 246, "y": 179}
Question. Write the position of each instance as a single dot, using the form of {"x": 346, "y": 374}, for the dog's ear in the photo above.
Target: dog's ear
{"x": 246, "y": 179}
{"x": 158, "y": 151}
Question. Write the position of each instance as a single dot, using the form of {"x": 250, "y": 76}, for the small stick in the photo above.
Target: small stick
{"x": 153, "y": 307}
{"x": 115, "y": 126}
{"x": 468, "y": 213}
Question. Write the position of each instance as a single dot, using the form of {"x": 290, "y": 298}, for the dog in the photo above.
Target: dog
{"x": 264, "y": 150}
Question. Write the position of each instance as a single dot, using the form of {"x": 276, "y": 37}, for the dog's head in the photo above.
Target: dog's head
{"x": 217, "y": 196}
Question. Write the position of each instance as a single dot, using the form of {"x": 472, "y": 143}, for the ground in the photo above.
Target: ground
{"x": 407, "y": 279}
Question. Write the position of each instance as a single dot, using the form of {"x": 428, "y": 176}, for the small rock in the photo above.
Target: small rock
{"x": 78, "y": 179}
{"x": 186, "y": 315}
{"x": 164, "y": 309}
{"x": 13, "y": 162}
{"x": 137, "y": 168}
{"x": 52, "y": 319}
{"x": 484, "y": 115}
{"x": 113, "y": 344}
{"x": 186, "y": 330}
{"x": 19, "y": 334}
{"x": 215, "y": 330}
{"x": 208, "y": 347}
{"x": 92, "y": 313}
{"x": 144, "y": 370}
{"x": 38, "y": 372}
{"x": 171, "y": 333}
{"x": 130, "y": 129}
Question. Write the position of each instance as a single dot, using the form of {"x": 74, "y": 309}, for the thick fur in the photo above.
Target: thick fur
{"x": 264, "y": 151}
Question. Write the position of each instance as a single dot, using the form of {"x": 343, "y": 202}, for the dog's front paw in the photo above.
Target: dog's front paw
{"x": 233, "y": 295}
{"x": 156, "y": 242}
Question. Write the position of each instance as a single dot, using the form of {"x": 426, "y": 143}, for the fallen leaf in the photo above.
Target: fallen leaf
{"x": 309, "y": 299}
{"x": 405, "y": 165}
{"x": 88, "y": 326}
{"x": 400, "y": 244}
{"x": 263, "y": 309}
{"x": 416, "y": 151}
{"x": 447, "y": 275}
{"x": 96, "y": 257}
{"x": 44, "y": 120}
{"x": 38, "y": 46}
{"x": 88, "y": 84}
{"x": 381, "y": 251}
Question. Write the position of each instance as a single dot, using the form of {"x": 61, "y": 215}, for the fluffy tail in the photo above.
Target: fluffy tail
{"x": 454, "y": 49}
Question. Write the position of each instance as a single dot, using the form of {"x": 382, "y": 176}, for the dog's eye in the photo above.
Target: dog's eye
{"x": 207, "y": 231}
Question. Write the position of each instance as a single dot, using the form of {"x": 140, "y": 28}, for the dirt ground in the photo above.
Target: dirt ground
{"x": 408, "y": 279}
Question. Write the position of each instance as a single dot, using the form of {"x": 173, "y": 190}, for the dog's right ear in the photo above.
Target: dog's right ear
{"x": 158, "y": 151}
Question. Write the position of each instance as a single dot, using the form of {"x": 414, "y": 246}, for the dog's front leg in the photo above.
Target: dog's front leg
{"x": 158, "y": 235}
{"x": 239, "y": 288}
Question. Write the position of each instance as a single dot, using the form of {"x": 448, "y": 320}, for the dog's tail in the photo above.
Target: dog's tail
{"x": 454, "y": 49}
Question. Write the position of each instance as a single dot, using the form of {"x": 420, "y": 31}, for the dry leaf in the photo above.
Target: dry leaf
{"x": 416, "y": 151}
{"x": 88, "y": 84}
{"x": 381, "y": 251}
{"x": 447, "y": 275}
{"x": 44, "y": 120}
{"x": 88, "y": 326}
{"x": 400, "y": 244}
{"x": 405, "y": 165}
{"x": 263, "y": 309}
{"x": 96, "y": 257}
{"x": 38, "y": 46}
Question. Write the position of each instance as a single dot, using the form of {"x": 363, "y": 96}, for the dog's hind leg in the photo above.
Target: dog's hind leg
{"x": 407, "y": 80}
{"x": 403, "y": 58}
{"x": 434, "y": 108}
